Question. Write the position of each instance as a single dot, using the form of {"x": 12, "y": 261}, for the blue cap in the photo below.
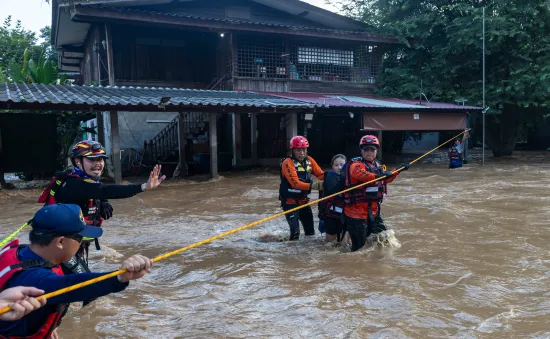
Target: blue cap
{"x": 63, "y": 219}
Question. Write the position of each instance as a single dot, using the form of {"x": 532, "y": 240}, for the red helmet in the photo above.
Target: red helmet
{"x": 369, "y": 140}
{"x": 299, "y": 142}
{"x": 88, "y": 149}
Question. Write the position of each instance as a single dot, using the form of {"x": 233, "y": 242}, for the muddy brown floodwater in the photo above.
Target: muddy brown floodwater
{"x": 474, "y": 261}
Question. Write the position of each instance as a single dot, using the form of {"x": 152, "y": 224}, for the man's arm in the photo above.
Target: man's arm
{"x": 135, "y": 267}
{"x": 289, "y": 172}
{"x": 359, "y": 175}
{"x": 316, "y": 169}
{"x": 75, "y": 189}
{"x": 48, "y": 281}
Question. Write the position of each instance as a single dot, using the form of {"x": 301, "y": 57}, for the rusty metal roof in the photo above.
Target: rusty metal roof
{"x": 69, "y": 97}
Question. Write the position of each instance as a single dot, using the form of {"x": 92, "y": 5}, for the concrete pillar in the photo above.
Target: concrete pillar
{"x": 213, "y": 134}
{"x": 237, "y": 143}
{"x": 291, "y": 125}
{"x": 181, "y": 145}
{"x": 115, "y": 147}
{"x": 254, "y": 137}
{"x": 379, "y": 153}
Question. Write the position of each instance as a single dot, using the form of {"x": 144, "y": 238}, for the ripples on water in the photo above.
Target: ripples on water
{"x": 474, "y": 262}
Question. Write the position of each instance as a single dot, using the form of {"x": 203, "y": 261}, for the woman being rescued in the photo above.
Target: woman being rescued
{"x": 330, "y": 211}
{"x": 297, "y": 172}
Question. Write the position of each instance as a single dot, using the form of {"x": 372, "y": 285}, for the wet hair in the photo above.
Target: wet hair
{"x": 336, "y": 157}
{"x": 41, "y": 238}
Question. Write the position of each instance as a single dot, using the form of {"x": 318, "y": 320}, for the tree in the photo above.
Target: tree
{"x": 442, "y": 47}
{"x": 14, "y": 40}
{"x": 68, "y": 123}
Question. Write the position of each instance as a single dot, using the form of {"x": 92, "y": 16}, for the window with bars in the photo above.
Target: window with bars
{"x": 302, "y": 60}
{"x": 315, "y": 55}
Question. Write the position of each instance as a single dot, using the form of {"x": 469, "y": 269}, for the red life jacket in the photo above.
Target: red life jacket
{"x": 90, "y": 211}
{"x": 10, "y": 264}
{"x": 369, "y": 193}
{"x": 455, "y": 155}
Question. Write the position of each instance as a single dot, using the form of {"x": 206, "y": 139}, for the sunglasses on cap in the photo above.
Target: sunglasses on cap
{"x": 96, "y": 147}
{"x": 75, "y": 237}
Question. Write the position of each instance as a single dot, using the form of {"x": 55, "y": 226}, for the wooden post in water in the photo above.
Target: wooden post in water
{"x": 113, "y": 115}
{"x": 254, "y": 137}
{"x": 213, "y": 134}
{"x": 181, "y": 145}
{"x": 100, "y": 128}
{"x": 237, "y": 144}
{"x": 379, "y": 154}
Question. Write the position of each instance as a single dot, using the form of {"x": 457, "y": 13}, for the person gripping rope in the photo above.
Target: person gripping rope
{"x": 57, "y": 231}
{"x": 297, "y": 172}
{"x": 362, "y": 212}
{"x": 81, "y": 186}
{"x": 21, "y": 302}
{"x": 456, "y": 152}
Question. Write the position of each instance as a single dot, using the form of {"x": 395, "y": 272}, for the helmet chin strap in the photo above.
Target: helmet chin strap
{"x": 88, "y": 174}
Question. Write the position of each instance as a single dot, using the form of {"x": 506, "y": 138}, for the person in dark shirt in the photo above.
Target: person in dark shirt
{"x": 330, "y": 210}
{"x": 81, "y": 186}
{"x": 57, "y": 231}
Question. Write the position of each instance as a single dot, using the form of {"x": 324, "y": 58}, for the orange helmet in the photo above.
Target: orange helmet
{"x": 88, "y": 149}
{"x": 369, "y": 141}
{"x": 299, "y": 142}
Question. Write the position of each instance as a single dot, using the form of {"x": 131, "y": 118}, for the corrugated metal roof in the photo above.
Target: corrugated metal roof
{"x": 236, "y": 21}
{"x": 353, "y": 100}
{"x": 138, "y": 96}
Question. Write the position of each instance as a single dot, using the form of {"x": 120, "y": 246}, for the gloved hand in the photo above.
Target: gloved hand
{"x": 106, "y": 210}
{"x": 406, "y": 166}
{"x": 317, "y": 186}
{"x": 387, "y": 174}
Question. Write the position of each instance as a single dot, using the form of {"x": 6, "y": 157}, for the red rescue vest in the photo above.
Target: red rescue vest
{"x": 369, "y": 193}
{"x": 10, "y": 264}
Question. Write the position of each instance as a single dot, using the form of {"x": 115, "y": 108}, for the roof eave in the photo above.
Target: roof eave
{"x": 90, "y": 14}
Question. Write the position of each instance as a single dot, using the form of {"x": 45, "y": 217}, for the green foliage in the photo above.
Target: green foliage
{"x": 14, "y": 40}
{"x": 42, "y": 71}
{"x": 442, "y": 47}
{"x": 25, "y": 61}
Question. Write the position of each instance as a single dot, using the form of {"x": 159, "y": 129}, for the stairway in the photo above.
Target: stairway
{"x": 164, "y": 147}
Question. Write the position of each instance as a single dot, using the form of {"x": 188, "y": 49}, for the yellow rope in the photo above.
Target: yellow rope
{"x": 13, "y": 235}
{"x": 225, "y": 234}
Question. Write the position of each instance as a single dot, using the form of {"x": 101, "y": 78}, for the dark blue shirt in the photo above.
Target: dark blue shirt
{"x": 48, "y": 281}
{"x": 333, "y": 183}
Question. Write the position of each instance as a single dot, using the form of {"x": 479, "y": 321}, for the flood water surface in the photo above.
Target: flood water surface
{"x": 474, "y": 261}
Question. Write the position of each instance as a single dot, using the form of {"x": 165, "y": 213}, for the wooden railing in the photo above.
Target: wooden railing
{"x": 163, "y": 144}
{"x": 166, "y": 143}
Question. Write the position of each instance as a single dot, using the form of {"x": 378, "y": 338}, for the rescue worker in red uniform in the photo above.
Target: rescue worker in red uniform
{"x": 362, "y": 211}
{"x": 81, "y": 186}
{"x": 297, "y": 172}
{"x": 57, "y": 231}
